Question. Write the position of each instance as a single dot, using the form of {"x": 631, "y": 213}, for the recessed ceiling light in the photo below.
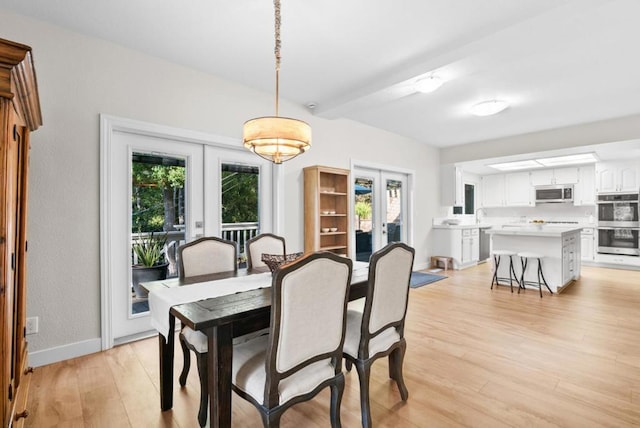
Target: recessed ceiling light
{"x": 487, "y": 108}
{"x": 428, "y": 84}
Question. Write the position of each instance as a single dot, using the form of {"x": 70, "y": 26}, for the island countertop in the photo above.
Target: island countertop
{"x": 541, "y": 231}
{"x": 559, "y": 248}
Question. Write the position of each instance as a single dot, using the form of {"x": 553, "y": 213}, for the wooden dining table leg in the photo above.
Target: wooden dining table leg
{"x": 219, "y": 361}
{"x": 166, "y": 365}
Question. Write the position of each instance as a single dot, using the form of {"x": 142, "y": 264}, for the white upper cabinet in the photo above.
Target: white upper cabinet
{"x": 451, "y": 186}
{"x": 518, "y": 191}
{"x": 617, "y": 177}
{"x": 493, "y": 191}
{"x": 542, "y": 177}
{"x": 585, "y": 189}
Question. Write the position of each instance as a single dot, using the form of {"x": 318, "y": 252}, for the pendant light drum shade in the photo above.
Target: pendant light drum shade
{"x": 276, "y": 138}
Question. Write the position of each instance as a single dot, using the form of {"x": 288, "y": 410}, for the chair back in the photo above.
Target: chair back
{"x": 265, "y": 243}
{"x": 388, "y": 292}
{"x": 206, "y": 256}
{"x": 308, "y": 312}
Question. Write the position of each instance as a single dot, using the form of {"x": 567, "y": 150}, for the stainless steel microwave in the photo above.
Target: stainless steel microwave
{"x": 554, "y": 194}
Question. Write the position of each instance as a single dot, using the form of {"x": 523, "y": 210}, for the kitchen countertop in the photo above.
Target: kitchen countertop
{"x": 462, "y": 226}
{"x": 544, "y": 231}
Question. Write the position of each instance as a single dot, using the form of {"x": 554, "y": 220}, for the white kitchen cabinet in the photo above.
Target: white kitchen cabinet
{"x": 587, "y": 244}
{"x": 518, "y": 191}
{"x": 470, "y": 246}
{"x": 493, "y": 190}
{"x": 461, "y": 244}
{"x": 569, "y": 258}
{"x": 585, "y": 189}
{"x": 451, "y": 186}
{"x": 550, "y": 176}
{"x": 622, "y": 176}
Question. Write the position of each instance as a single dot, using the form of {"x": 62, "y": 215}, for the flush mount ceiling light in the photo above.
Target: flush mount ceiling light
{"x": 487, "y": 108}
{"x": 514, "y": 166}
{"x": 428, "y": 84}
{"x": 582, "y": 158}
{"x": 569, "y": 159}
{"x": 276, "y": 138}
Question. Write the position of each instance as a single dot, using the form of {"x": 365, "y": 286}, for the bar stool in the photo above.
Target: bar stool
{"x": 524, "y": 260}
{"x": 497, "y": 254}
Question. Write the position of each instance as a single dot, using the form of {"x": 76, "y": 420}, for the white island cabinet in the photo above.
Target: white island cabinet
{"x": 559, "y": 246}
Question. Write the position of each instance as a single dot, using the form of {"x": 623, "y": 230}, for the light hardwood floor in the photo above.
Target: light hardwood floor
{"x": 475, "y": 357}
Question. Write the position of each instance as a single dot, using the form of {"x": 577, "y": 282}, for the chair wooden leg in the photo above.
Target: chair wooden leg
{"x": 348, "y": 364}
{"x": 186, "y": 365}
{"x": 204, "y": 390}
{"x": 271, "y": 420}
{"x": 396, "y": 359}
{"x": 364, "y": 372}
{"x": 337, "y": 389}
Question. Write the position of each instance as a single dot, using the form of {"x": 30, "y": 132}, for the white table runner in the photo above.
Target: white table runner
{"x": 161, "y": 300}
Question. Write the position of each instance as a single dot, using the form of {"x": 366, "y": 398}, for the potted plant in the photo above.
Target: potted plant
{"x": 151, "y": 265}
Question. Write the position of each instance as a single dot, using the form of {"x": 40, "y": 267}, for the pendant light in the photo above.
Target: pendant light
{"x": 276, "y": 138}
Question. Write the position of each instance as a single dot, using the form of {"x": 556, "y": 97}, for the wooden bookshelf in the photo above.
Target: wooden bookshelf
{"x": 326, "y": 209}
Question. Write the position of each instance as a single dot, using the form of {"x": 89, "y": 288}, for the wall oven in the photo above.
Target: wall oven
{"x": 618, "y": 224}
{"x": 619, "y": 240}
{"x": 618, "y": 210}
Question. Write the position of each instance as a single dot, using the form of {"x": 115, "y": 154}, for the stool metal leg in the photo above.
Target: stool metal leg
{"x": 513, "y": 272}
{"x": 496, "y": 263}
{"x": 544, "y": 281}
{"x": 523, "y": 261}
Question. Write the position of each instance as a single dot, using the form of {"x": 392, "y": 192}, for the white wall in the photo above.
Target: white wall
{"x": 80, "y": 77}
{"x": 606, "y": 131}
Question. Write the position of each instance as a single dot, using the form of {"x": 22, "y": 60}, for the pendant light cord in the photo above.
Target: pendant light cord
{"x": 276, "y": 4}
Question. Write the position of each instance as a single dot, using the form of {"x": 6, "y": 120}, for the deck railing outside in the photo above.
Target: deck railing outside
{"x": 237, "y": 232}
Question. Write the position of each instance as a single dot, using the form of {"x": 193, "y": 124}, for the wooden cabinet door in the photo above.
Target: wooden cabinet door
{"x": 542, "y": 177}
{"x": 493, "y": 190}
{"x": 517, "y": 189}
{"x": 565, "y": 175}
{"x": 585, "y": 189}
{"x": 628, "y": 178}
{"x": 8, "y": 251}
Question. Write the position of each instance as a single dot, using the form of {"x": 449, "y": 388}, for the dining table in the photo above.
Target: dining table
{"x": 221, "y": 319}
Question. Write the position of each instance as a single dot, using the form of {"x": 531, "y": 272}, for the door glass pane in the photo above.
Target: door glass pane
{"x": 363, "y": 219}
{"x": 240, "y": 185}
{"x": 469, "y": 198}
{"x": 157, "y": 221}
{"x": 394, "y": 211}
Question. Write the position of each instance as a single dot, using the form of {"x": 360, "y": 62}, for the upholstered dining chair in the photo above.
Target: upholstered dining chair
{"x": 265, "y": 243}
{"x": 201, "y": 257}
{"x": 378, "y": 330}
{"x": 302, "y": 353}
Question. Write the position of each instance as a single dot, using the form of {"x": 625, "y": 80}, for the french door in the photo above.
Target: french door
{"x": 381, "y": 208}
{"x": 189, "y": 207}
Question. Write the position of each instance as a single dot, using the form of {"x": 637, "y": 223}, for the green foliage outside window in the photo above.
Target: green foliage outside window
{"x": 157, "y": 196}
{"x": 239, "y": 197}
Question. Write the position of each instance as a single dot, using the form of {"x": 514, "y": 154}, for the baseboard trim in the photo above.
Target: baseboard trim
{"x": 65, "y": 352}
{"x": 420, "y": 266}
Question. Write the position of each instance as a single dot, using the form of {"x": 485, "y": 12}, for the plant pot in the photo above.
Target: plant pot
{"x": 145, "y": 274}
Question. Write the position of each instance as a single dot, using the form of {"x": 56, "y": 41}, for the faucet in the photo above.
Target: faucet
{"x": 479, "y": 214}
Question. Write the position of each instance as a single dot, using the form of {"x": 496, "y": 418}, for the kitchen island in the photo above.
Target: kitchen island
{"x": 560, "y": 247}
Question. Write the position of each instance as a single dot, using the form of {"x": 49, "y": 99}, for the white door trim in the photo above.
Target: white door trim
{"x": 410, "y": 173}
{"x": 110, "y": 124}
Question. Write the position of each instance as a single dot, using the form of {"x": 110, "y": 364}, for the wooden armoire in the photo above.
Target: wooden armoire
{"x": 19, "y": 115}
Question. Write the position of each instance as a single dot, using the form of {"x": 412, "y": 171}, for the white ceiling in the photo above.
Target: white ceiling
{"x": 558, "y": 62}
